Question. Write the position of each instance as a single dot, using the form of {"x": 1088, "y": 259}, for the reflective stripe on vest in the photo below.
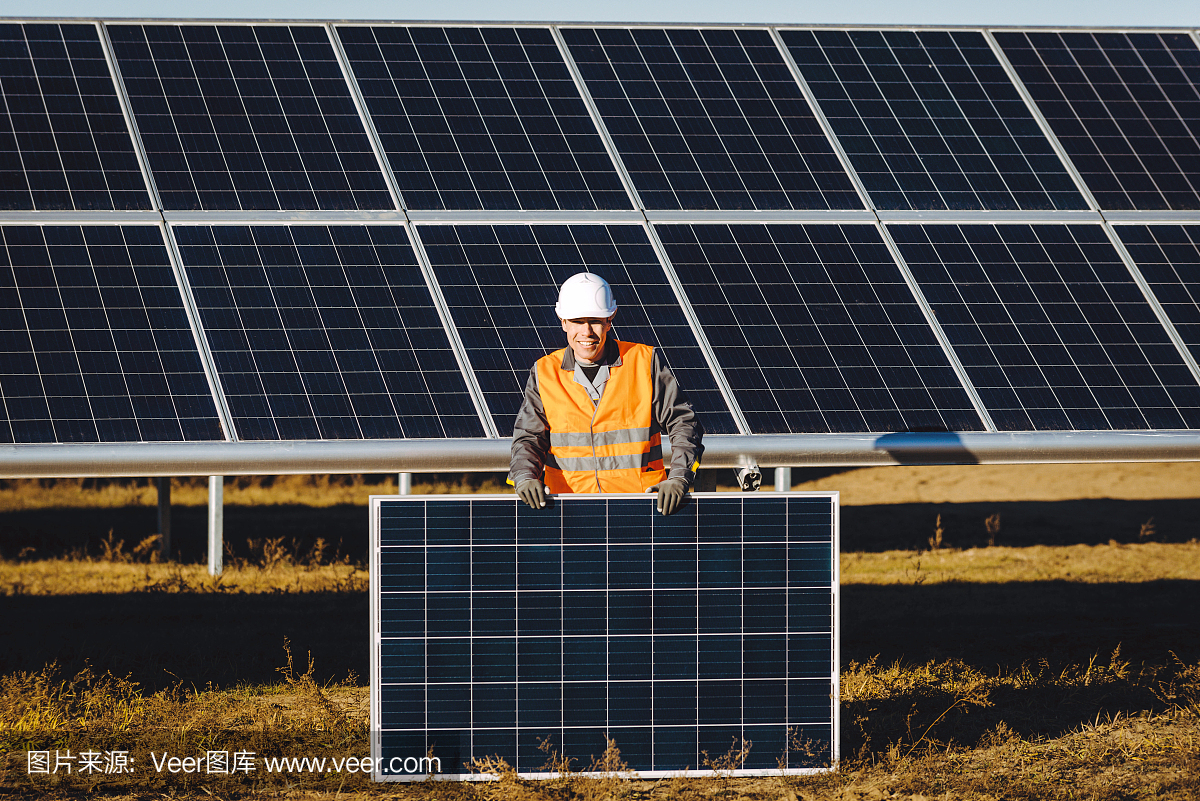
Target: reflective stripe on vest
{"x": 608, "y": 447}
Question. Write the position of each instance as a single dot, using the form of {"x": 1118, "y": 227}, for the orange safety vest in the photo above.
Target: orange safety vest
{"x": 608, "y": 447}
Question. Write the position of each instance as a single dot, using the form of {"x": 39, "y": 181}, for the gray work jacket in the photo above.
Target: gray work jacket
{"x": 672, "y": 416}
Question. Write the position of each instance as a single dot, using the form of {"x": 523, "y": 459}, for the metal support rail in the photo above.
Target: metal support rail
{"x": 216, "y": 458}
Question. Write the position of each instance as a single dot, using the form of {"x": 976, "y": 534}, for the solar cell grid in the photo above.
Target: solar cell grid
{"x": 816, "y": 330}
{"x": 1051, "y": 328}
{"x": 63, "y": 137}
{"x": 1125, "y": 106}
{"x": 247, "y": 117}
{"x": 930, "y": 120}
{"x": 597, "y": 619}
{"x": 501, "y": 283}
{"x": 325, "y": 332}
{"x": 709, "y": 119}
{"x": 96, "y": 344}
{"x": 481, "y": 118}
{"x": 1169, "y": 259}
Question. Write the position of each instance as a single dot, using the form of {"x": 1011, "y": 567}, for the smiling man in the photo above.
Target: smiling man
{"x": 595, "y": 412}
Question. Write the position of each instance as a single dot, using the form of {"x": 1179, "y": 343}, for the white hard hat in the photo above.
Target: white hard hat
{"x": 585, "y": 295}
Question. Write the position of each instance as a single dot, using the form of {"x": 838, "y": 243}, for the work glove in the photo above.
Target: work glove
{"x": 671, "y": 494}
{"x": 533, "y": 493}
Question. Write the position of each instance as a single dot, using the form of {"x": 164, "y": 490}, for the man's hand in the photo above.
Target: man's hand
{"x": 533, "y": 493}
{"x": 671, "y": 494}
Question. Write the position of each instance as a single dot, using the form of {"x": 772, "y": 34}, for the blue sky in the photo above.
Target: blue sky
{"x": 1171, "y": 13}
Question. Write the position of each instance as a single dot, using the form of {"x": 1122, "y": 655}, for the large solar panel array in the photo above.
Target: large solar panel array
{"x": 355, "y": 231}
{"x": 496, "y": 628}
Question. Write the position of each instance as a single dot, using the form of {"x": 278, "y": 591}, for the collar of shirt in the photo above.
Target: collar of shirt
{"x": 610, "y": 357}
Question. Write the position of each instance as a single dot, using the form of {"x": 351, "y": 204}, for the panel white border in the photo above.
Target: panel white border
{"x": 376, "y": 639}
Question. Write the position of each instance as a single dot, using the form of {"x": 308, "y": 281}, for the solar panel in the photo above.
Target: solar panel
{"x": 1169, "y": 259}
{"x": 709, "y": 119}
{"x": 930, "y": 120}
{"x": 481, "y": 118}
{"x": 96, "y": 346}
{"x": 816, "y": 330}
{"x": 62, "y": 134}
{"x": 1126, "y": 107}
{"x": 501, "y": 283}
{"x": 1051, "y": 328}
{"x": 247, "y": 117}
{"x": 325, "y": 332}
{"x": 496, "y": 628}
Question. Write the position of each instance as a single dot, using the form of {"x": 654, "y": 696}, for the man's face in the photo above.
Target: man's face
{"x": 586, "y": 336}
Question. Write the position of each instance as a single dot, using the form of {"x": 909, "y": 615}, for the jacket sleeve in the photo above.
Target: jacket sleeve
{"x": 531, "y": 435}
{"x": 676, "y": 418}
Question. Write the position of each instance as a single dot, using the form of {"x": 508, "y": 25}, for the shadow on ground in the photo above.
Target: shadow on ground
{"x": 227, "y": 639}
{"x": 56, "y": 532}
{"x": 59, "y": 532}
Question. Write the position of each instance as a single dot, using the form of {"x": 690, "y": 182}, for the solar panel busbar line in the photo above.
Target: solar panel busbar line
{"x": 499, "y": 631}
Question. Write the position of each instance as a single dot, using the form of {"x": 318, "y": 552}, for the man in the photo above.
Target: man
{"x": 595, "y": 411}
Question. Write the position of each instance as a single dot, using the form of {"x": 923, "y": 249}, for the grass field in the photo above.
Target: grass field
{"x": 1061, "y": 662}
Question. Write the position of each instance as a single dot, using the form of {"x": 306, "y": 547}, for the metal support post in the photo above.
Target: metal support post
{"x": 404, "y": 483}
{"x": 216, "y": 524}
{"x": 164, "y": 516}
{"x": 783, "y": 479}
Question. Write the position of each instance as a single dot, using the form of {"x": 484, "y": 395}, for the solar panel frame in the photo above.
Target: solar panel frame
{"x": 573, "y": 217}
{"x": 672, "y": 558}
{"x": 92, "y": 129}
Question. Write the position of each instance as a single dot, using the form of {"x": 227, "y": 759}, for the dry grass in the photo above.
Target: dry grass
{"x": 63, "y": 577}
{"x": 315, "y": 490}
{"x": 1091, "y": 564}
{"x": 938, "y": 730}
